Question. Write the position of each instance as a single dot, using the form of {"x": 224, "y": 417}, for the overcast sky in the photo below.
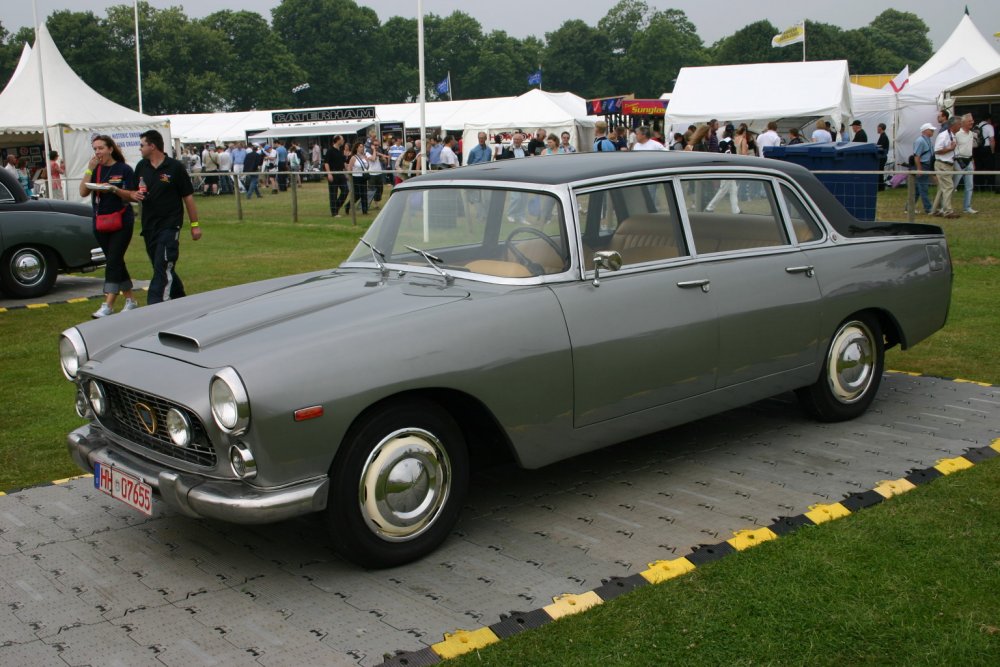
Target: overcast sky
{"x": 531, "y": 17}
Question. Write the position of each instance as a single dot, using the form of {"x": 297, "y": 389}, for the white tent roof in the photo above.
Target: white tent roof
{"x": 762, "y": 91}
{"x": 535, "y": 108}
{"x": 68, "y": 100}
{"x": 23, "y": 62}
{"x": 314, "y": 129}
{"x": 965, "y": 42}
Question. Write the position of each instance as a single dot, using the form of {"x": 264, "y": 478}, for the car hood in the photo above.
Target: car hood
{"x": 308, "y": 312}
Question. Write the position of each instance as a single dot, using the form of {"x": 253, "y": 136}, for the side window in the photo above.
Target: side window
{"x": 805, "y": 226}
{"x": 733, "y": 214}
{"x": 640, "y": 222}
{"x": 5, "y": 195}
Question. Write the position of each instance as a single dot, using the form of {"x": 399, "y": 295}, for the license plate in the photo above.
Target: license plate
{"x": 124, "y": 487}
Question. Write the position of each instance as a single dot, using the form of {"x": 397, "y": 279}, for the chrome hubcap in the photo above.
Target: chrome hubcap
{"x": 404, "y": 484}
{"x": 851, "y": 365}
{"x": 26, "y": 267}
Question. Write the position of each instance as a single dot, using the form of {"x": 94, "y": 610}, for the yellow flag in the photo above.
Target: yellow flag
{"x": 793, "y": 35}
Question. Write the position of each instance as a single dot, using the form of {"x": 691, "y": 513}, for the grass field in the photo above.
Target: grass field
{"x": 914, "y": 580}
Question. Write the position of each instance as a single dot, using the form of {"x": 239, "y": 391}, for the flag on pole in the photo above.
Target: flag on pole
{"x": 899, "y": 82}
{"x": 535, "y": 78}
{"x": 793, "y": 35}
{"x": 444, "y": 87}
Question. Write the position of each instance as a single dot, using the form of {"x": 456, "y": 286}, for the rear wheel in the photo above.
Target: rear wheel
{"x": 28, "y": 271}
{"x": 398, "y": 485}
{"x": 851, "y": 373}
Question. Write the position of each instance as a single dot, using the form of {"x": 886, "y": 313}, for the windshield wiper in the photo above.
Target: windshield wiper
{"x": 378, "y": 256}
{"x": 433, "y": 262}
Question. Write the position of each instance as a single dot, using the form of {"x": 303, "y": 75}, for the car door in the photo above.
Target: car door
{"x": 645, "y": 335}
{"x": 765, "y": 291}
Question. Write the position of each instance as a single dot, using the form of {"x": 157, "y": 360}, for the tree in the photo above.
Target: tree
{"x": 400, "y": 83}
{"x": 752, "y": 44}
{"x": 89, "y": 49}
{"x": 261, "y": 72}
{"x": 669, "y": 43}
{"x": 503, "y": 66}
{"x": 452, "y": 44}
{"x": 338, "y": 44}
{"x": 904, "y": 36}
{"x": 576, "y": 59}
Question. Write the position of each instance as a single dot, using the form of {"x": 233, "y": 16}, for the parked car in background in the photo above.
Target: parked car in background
{"x": 536, "y": 308}
{"x": 40, "y": 238}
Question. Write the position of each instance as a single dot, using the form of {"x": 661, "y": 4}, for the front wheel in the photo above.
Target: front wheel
{"x": 398, "y": 484}
{"x": 851, "y": 373}
{"x": 28, "y": 272}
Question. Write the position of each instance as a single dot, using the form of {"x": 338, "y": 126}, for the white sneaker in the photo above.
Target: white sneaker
{"x": 970, "y": 210}
{"x": 103, "y": 311}
{"x": 130, "y": 304}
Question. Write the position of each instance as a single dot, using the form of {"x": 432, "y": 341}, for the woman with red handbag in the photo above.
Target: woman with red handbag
{"x": 106, "y": 178}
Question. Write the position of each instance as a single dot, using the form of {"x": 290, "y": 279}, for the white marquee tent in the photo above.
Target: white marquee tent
{"x": 555, "y": 112}
{"x": 965, "y": 56}
{"x": 762, "y": 92}
{"x": 74, "y": 110}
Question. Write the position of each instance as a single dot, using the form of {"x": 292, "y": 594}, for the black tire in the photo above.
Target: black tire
{"x": 28, "y": 271}
{"x": 852, "y": 372}
{"x": 423, "y": 446}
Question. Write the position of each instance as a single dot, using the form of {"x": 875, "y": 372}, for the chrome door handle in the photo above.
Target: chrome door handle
{"x": 703, "y": 284}
{"x": 810, "y": 271}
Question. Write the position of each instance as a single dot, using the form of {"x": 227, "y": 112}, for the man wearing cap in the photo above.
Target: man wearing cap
{"x": 859, "y": 133}
{"x": 944, "y": 167}
{"x": 882, "y": 141}
{"x": 923, "y": 151}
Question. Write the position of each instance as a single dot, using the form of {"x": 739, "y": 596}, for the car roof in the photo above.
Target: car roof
{"x": 573, "y": 167}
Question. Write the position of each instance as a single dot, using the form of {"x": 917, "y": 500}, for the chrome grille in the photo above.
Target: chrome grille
{"x": 124, "y": 420}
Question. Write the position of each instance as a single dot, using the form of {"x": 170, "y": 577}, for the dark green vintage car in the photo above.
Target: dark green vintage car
{"x": 40, "y": 238}
{"x": 534, "y": 308}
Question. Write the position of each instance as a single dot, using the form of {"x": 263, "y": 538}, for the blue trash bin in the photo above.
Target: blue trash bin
{"x": 857, "y": 192}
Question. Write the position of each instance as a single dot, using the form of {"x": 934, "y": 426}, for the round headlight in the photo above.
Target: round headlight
{"x": 82, "y": 405}
{"x": 98, "y": 400}
{"x": 72, "y": 353}
{"x": 179, "y": 427}
{"x": 230, "y": 406}
{"x": 242, "y": 460}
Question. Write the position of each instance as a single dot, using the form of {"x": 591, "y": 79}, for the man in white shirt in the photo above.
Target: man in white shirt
{"x": 768, "y": 137}
{"x": 645, "y": 142}
{"x": 963, "y": 161}
{"x": 11, "y": 165}
{"x": 944, "y": 166}
{"x": 448, "y": 159}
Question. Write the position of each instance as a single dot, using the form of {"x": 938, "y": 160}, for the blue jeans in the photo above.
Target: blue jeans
{"x": 253, "y": 185}
{"x": 966, "y": 176}
{"x": 923, "y": 183}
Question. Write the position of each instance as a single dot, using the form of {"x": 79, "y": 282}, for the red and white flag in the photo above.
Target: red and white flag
{"x": 899, "y": 82}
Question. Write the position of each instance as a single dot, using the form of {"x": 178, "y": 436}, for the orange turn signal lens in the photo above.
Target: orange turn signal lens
{"x": 303, "y": 414}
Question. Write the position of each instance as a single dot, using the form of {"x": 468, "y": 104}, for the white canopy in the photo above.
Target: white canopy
{"x": 965, "y": 42}
{"x": 313, "y": 129}
{"x": 74, "y": 110}
{"x": 762, "y": 92}
{"x": 23, "y": 62}
{"x": 555, "y": 112}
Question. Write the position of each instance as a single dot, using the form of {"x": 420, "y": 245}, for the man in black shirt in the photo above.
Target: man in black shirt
{"x": 251, "y": 164}
{"x": 335, "y": 164}
{"x": 859, "y": 134}
{"x": 164, "y": 188}
{"x": 883, "y": 154}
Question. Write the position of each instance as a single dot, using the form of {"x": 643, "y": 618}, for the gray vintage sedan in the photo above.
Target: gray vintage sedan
{"x": 534, "y": 308}
{"x": 40, "y": 239}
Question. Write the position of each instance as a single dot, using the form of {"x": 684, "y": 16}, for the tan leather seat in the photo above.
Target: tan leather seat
{"x": 646, "y": 237}
{"x": 496, "y": 267}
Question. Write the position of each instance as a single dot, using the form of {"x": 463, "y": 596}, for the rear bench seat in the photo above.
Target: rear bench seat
{"x": 721, "y": 232}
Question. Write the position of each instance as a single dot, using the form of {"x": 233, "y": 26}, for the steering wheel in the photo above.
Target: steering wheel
{"x": 535, "y": 268}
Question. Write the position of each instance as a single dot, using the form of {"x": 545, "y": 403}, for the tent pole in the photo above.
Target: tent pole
{"x": 41, "y": 89}
{"x": 138, "y": 67}
{"x": 62, "y": 154}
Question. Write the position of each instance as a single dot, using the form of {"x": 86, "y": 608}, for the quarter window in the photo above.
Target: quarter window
{"x": 732, "y": 214}
{"x": 640, "y": 222}
{"x": 5, "y": 195}
{"x": 803, "y": 223}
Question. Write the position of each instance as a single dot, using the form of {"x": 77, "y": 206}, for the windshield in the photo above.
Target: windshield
{"x": 506, "y": 233}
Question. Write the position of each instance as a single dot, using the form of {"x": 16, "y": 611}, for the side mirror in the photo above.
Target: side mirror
{"x": 605, "y": 259}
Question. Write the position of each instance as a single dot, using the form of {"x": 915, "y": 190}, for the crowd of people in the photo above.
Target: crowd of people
{"x": 951, "y": 152}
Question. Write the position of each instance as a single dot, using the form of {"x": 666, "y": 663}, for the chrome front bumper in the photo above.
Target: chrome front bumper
{"x": 197, "y": 496}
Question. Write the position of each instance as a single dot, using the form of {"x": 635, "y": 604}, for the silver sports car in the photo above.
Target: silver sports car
{"x": 534, "y": 308}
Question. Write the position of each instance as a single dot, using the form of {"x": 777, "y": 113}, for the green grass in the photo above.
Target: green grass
{"x": 911, "y": 581}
